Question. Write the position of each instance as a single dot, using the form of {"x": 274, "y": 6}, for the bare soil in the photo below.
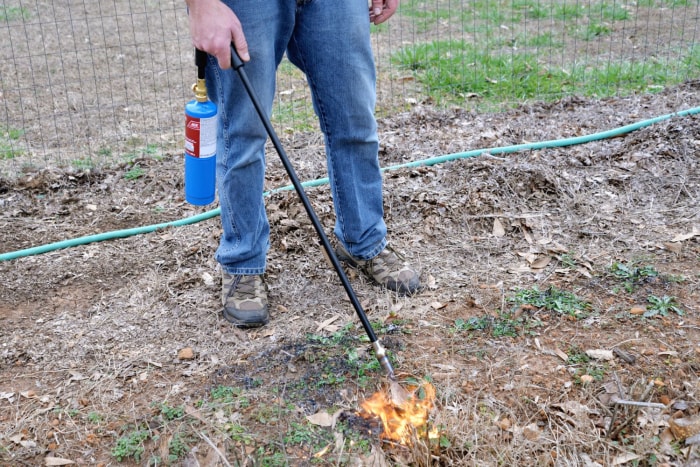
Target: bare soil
{"x": 92, "y": 336}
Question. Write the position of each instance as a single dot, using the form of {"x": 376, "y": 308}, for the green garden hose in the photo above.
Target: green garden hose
{"x": 322, "y": 181}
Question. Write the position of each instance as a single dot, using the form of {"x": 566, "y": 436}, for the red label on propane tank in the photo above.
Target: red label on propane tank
{"x": 200, "y": 136}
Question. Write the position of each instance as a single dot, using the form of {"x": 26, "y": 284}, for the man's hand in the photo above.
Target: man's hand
{"x": 382, "y": 10}
{"x": 213, "y": 26}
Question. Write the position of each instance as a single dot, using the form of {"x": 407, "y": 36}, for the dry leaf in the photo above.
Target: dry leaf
{"x": 498, "y": 230}
{"x": 586, "y": 379}
{"x": 504, "y": 424}
{"x": 683, "y": 237}
{"x": 208, "y": 279}
{"x": 57, "y": 461}
{"x": 600, "y": 354}
{"x": 575, "y": 408}
{"x": 324, "y": 418}
{"x": 541, "y": 262}
{"x": 529, "y": 257}
{"x": 674, "y": 247}
{"x": 683, "y": 428}
{"x": 521, "y": 268}
{"x": 444, "y": 367}
{"x": 584, "y": 273}
{"x": 561, "y": 354}
{"x": 376, "y": 458}
{"x": 323, "y": 451}
{"x": 531, "y": 432}
{"x": 326, "y": 323}
{"x": 438, "y": 305}
{"x": 625, "y": 458}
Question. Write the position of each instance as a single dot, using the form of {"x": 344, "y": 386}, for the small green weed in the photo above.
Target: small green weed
{"x": 503, "y": 325}
{"x": 134, "y": 173}
{"x": 364, "y": 367}
{"x": 577, "y": 356}
{"x": 568, "y": 260}
{"x": 169, "y": 413}
{"x": 551, "y": 299}
{"x": 632, "y": 274}
{"x": 238, "y": 433}
{"x": 306, "y": 435}
{"x": 584, "y": 365}
{"x": 83, "y": 164}
{"x": 230, "y": 395}
{"x": 330, "y": 379}
{"x": 177, "y": 447}
{"x": 130, "y": 446}
{"x": 662, "y": 306}
{"x": 332, "y": 340}
{"x": 94, "y": 417}
{"x": 104, "y": 152}
{"x": 271, "y": 456}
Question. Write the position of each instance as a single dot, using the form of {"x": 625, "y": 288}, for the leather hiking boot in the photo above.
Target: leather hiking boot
{"x": 245, "y": 300}
{"x": 388, "y": 269}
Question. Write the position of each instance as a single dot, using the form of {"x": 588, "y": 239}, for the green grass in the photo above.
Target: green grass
{"x": 567, "y": 12}
{"x": 506, "y": 61}
{"x": 452, "y": 71}
{"x": 9, "y": 138}
{"x": 13, "y": 13}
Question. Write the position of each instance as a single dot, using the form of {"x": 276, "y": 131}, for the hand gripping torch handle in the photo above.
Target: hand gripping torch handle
{"x": 379, "y": 350}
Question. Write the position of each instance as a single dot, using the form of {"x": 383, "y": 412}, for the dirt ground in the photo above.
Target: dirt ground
{"x": 96, "y": 339}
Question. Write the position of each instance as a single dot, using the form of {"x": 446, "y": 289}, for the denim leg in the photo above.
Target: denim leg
{"x": 240, "y": 168}
{"x": 331, "y": 44}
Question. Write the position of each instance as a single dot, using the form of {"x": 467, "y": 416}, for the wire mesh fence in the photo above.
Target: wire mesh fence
{"x": 88, "y": 84}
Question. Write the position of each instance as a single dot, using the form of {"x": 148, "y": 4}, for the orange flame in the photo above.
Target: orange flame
{"x": 402, "y": 423}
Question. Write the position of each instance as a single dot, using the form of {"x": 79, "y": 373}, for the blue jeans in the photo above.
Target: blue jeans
{"x": 329, "y": 40}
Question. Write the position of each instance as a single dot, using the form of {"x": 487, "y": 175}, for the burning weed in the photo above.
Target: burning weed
{"x": 405, "y": 422}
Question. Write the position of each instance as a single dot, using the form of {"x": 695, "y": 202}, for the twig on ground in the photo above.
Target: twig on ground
{"x": 655, "y": 405}
{"x": 213, "y": 446}
{"x": 617, "y": 401}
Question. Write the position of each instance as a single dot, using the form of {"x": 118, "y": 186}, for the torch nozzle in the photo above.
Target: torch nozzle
{"x": 380, "y": 352}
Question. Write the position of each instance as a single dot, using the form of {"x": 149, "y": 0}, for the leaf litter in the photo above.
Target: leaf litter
{"x": 109, "y": 329}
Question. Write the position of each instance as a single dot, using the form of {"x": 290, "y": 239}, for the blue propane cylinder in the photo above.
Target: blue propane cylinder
{"x": 200, "y": 143}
